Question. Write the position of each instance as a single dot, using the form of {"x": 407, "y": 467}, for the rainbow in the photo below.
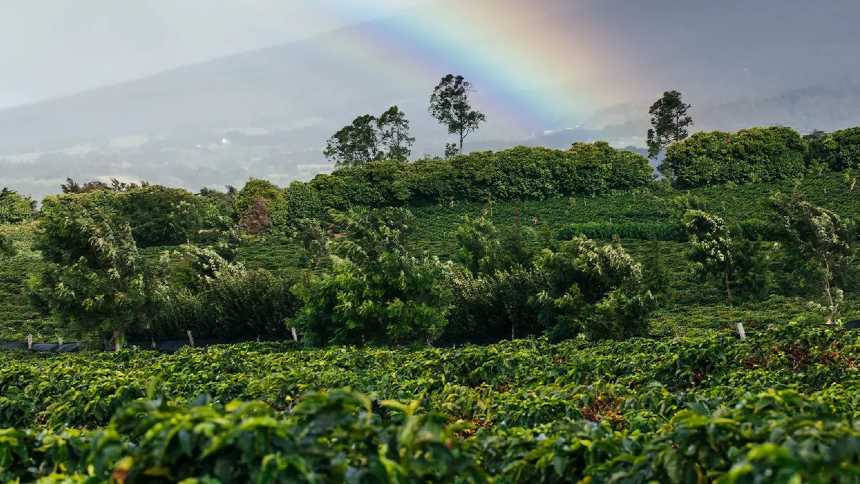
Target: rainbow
{"x": 538, "y": 69}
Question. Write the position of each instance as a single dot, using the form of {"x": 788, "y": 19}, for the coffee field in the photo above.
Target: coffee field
{"x": 779, "y": 406}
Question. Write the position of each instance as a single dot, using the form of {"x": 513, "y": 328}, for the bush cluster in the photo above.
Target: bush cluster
{"x": 750, "y": 155}
{"x": 516, "y": 174}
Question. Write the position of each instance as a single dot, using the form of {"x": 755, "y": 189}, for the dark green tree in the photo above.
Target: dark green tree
{"x": 593, "y": 290}
{"x": 669, "y": 122}
{"x": 395, "y": 142}
{"x": 450, "y": 105}
{"x": 92, "y": 280}
{"x": 375, "y": 291}
{"x": 355, "y": 144}
{"x": 7, "y": 249}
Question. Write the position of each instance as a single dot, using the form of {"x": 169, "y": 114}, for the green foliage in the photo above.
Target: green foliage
{"x": 92, "y": 279}
{"x": 354, "y": 144}
{"x": 839, "y": 150}
{"x": 479, "y": 245}
{"x": 669, "y": 122}
{"x": 736, "y": 264}
{"x": 497, "y": 305}
{"x": 214, "y": 297}
{"x": 781, "y": 403}
{"x": 329, "y": 437}
{"x": 370, "y": 138}
{"x": 396, "y": 144}
{"x": 517, "y": 174}
{"x": 15, "y": 208}
{"x": 375, "y": 292}
{"x": 7, "y": 248}
{"x": 169, "y": 216}
{"x": 750, "y": 155}
{"x": 821, "y": 237}
{"x": 593, "y": 290}
{"x": 450, "y": 105}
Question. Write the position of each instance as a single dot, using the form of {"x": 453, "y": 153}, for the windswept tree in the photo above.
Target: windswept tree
{"x": 713, "y": 248}
{"x": 395, "y": 142}
{"x": 92, "y": 280}
{"x": 355, "y": 144}
{"x": 669, "y": 122}
{"x": 450, "y": 105}
{"x": 822, "y": 238}
{"x": 736, "y": 263}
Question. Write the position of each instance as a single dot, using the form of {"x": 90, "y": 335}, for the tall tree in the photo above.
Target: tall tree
{"x": 450, "y": 105}
{"x": 669, "y": 121}
{"x": 355, "y": 144}
{"x": 92, "y": 278}
{"x": 394, "y": 139}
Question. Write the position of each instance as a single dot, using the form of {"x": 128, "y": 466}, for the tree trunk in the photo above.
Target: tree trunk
{"x": 728, "y": 288}
{"x": 829, "y": 293}
{"x": 118, "y": 337}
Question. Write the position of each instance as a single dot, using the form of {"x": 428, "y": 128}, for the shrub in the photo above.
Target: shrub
{"x": 751, "y": 155}
{"x": 515, "y": 174}
{"x": 300, "y": 202}
{"x": 840, "y": 150}
{"x": 211, "y": 296}
{"x": 400, "y": 300}
{"x": 593, "y": 290}
{"x": 598, "y": 167}
{"x": 493, "y": 306}
{"x": 162, "y": 216}
{"x": 375, "y": 292}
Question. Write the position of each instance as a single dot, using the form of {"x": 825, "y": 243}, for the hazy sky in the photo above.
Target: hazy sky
{"x": 54, "y": 47}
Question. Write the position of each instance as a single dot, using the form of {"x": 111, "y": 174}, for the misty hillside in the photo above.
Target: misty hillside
{"x": 267, "y": 113}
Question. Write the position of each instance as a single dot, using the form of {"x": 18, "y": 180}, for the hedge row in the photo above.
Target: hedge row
{"x": 516, "y": 174}
{"x": 758, "y": 154}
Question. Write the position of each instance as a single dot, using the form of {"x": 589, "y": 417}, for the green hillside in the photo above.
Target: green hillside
{"x": 526, "y": 331}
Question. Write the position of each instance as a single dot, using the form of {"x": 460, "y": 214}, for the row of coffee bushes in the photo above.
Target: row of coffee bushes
{"x": 520, "y": 173}
{"x": 758, "y": 154}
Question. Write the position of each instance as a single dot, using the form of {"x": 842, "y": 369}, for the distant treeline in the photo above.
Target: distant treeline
{"x": 758, "y": 154}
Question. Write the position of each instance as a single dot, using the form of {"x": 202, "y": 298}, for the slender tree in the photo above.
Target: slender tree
{"x": 396, "y": 144}
{"x": 821, "y": 237}
{"x": 450, "y": 105}
{"x": 669, "y": 122}
{"x": 713, "y": 248}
